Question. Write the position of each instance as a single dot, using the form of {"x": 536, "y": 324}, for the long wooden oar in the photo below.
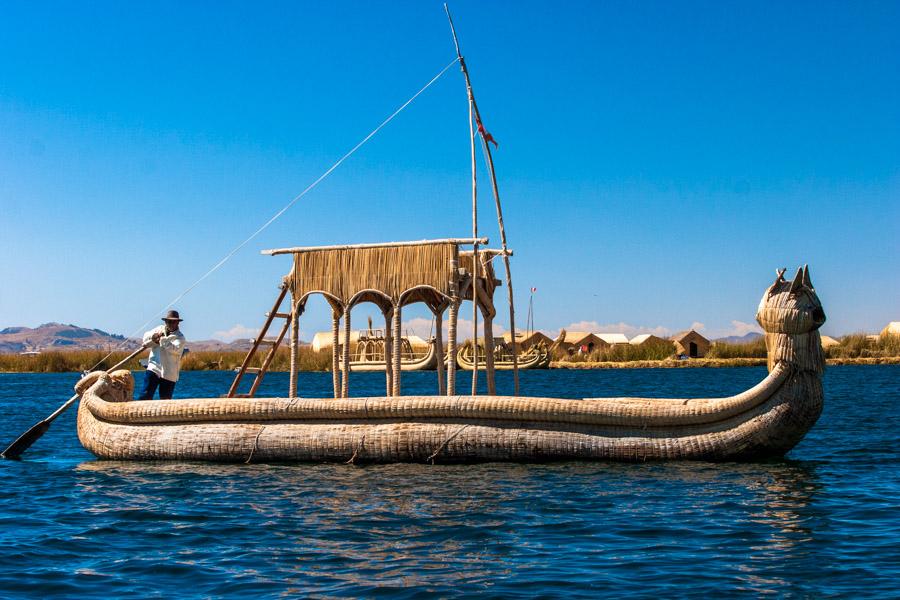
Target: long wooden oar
{"x": 32, "y": 435}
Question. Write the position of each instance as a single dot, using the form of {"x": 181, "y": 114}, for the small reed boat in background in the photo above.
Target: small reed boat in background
{"x": 370, "y": 353}
{"x": 536, "y": 356}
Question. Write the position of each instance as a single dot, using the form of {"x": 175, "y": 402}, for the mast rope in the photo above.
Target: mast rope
{"x": 278, "y": 214}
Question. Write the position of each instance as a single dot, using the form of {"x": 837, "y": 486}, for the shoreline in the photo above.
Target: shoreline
{"x": 693, "y": 363}
{"x": 712, "y": 363}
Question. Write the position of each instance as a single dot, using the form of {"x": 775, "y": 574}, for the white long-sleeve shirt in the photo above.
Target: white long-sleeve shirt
{"x": 165, "y": 357}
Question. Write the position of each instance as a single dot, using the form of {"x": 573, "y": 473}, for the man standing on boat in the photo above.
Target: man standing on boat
{"x": 167, "y": 347}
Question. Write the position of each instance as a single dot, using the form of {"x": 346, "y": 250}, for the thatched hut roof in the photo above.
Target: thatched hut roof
{"x": 892, "y": 328}
{"x": 528, "y": 339}
{"x": 322, "y": 340}
{"x": 648, "y": 338}
{"x": 613, "y": 338}
{"x": 828, "y": 341}
{"x": 580, "y": 338}
{"x": 684, "y": 339}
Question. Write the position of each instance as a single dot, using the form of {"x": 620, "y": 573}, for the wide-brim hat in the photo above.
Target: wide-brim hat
{"x": 172, "y": 315}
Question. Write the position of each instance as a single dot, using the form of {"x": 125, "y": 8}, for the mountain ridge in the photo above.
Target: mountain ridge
{"x": 54, "y": 336}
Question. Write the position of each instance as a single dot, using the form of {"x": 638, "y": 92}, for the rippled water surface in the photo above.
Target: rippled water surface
{"x": 823, "y": 522}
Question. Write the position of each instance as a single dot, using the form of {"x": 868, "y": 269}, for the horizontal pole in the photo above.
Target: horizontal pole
{"x": 489, "y": 251}
{"x": 301, "y": 249}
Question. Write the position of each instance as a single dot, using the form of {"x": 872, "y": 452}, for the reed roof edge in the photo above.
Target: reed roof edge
{"x": 302, "y": 249}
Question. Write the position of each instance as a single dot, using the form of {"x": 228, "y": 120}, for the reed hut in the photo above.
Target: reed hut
{"x": 691, "y": 344}
{"x": 323, "y": 339}
{"x": 828, "y": 341}
{"x": 580, "y": 342}
{"x": 613, "y": 339}
{"x": 525, "y": 340}
{"x": 892, "y": 328}
{"x": 648, "y": 339}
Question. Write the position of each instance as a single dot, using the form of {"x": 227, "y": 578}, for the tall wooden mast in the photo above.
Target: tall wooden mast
{"x": 485, "y": 138}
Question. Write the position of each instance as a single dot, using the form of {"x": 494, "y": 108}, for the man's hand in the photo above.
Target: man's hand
{"x": 156, "y": 337}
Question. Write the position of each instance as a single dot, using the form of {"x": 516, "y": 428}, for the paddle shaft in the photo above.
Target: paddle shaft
{"x": 24, "y": 441}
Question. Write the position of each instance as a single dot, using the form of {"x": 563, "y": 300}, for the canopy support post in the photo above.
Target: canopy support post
{"x": 335, "y": 348}
{"x": 451, "y": 325}
{"x": 398, "y": 352}
{"x": 439, "y": 349}
{"x": 345, "y": 380}
{"x": 489, "y": 353}
{"x": 295, "y": 339}
{"x": 388, "y": 341}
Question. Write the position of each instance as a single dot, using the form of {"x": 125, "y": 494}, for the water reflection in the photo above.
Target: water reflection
{"x": 420, "y": 525}
{"x": 824, "y": 525}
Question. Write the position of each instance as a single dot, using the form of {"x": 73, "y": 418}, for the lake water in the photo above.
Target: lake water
{"x": 824, "y": 522}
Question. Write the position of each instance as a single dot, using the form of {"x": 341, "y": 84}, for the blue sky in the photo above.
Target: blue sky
{"x": 657, "y": 161}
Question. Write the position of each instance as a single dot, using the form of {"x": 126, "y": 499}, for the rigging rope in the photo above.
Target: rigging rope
{"x": 278, "y": 214}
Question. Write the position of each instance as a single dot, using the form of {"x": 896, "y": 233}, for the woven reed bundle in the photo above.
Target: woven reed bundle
{"x": 766, "y": 420}
{"x": 766, "y": 430}
{"x": 636, "y": 412}
{"x": 485, "y": 269}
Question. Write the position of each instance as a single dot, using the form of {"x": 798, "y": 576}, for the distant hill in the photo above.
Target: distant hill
{"x": 58, "y": 336}
{"x": 740, "y": 339}
{"x": 242, "y": 345}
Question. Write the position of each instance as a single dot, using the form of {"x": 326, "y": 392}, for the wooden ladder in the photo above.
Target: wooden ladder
{"x": 261, "y": 340}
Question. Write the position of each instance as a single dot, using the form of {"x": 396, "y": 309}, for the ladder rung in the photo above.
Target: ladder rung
{"x": 268, "y": 342}
{"x": 279, "y": 315}
{"x": 252, "y": 370}
{"x": 242, "y": 396}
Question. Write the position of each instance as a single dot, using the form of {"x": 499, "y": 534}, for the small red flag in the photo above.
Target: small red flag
{"x": 487, "y": 136}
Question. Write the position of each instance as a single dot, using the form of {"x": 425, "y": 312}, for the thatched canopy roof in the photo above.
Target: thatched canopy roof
{"x": 389, "y": 274}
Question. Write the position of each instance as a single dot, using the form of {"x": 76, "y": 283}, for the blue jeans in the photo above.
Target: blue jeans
{"x": 151, "y": 381}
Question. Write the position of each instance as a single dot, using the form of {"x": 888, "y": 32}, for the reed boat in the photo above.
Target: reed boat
{"x": 536, "y": 357}
{"x": 370, "y": 355}
{"x": 766, "y": 420}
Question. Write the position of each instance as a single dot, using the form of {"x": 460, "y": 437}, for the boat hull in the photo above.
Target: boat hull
{"x": 765, "y": 421}
{"x": 428, "y": 362}
{"x": 533, "y": 358}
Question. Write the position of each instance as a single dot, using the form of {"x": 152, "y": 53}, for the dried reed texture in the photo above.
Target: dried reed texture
{"x": 766, "y": 420}
{"x": 345, "y": 273}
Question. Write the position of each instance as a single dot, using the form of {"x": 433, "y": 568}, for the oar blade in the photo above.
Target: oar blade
{"x": 25, "y": 440}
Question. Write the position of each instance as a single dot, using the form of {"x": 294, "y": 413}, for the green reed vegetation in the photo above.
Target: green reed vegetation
{"x": 620, "y": 353}
{"x": 859, "y": 345}
{"x": 81, "y": 360}
{"x": 852, "y": 346}
{"x": 754, "y": 349}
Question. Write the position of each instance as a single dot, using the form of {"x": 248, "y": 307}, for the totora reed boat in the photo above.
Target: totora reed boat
{"x": 452, "y": 426}
{"x": 764, "y": 421}
{"x": 536, "y": 357}
{"x": 370, "y": 354}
